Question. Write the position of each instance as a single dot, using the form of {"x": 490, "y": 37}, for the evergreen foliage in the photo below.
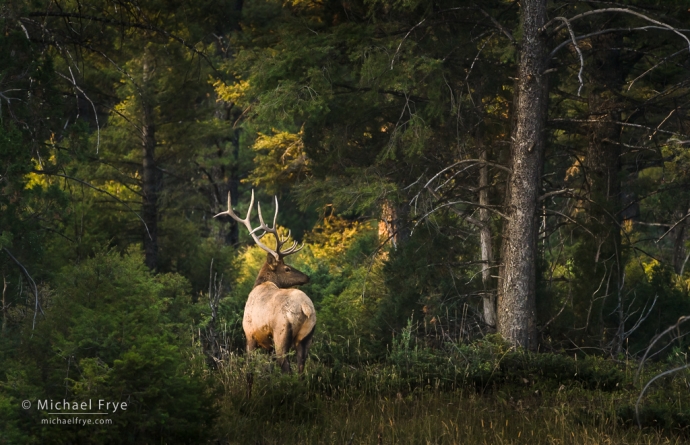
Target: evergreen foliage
{"x": 387, "y": 131}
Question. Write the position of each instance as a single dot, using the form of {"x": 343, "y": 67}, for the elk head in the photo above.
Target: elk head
{"x": 274, "y": 269}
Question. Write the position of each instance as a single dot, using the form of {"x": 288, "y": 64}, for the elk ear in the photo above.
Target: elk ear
{"x": 271, "y": 261}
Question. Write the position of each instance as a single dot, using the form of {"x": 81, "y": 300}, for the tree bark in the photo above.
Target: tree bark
{"x": 232, "y": 238}
{"x": 679, "y": 254}
{"x": 516, "y": 298}
{"x": 489, "y": 298}
{"x": 388, "y": 224}
{"x": 603, "y": 167}
{"x": 150, "y": 174}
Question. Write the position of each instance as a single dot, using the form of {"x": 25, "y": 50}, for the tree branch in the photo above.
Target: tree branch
{"x": 37, "y": 305}
{"x": 43, "y": 172}
{"x": 125, "y": 24}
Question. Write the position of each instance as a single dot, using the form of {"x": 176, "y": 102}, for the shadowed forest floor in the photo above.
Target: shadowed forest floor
{"x": 290, "y": 410}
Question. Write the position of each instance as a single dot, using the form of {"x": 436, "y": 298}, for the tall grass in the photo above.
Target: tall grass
{"x": 400, "y": 402}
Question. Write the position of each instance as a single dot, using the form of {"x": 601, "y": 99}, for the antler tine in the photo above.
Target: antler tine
{"x": 272, "y": 230}
{"x": 280, "y": 240}
{"x": 251, "y": 205}
{"x": 292, "y": 249}
{"x": 248, "y": 225}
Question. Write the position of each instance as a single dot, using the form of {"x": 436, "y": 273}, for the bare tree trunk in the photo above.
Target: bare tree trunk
{"x": 485, "y": 239}
{"x": 603, "y": 167}
{"x": 232, "y": 238}
{"x": 150, "y": 173}
{"x": 388, "y": 224}
{"x": 4, "y": 303}
{"x": 224, "y": 179}
{"x": 392, "y": 225}
{"x": 679, "y": 255}
{"x": 516, "y": 298}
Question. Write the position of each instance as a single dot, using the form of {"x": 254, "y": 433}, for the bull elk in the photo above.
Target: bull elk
{"x": 277, "y": 316}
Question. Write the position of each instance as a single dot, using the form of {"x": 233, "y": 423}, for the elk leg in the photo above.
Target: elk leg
{"x": 251, "y": 346}
{"x": 302, "y": 351}
{"x": 283, "y": 341}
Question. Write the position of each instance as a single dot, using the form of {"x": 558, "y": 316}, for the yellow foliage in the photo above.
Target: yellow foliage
{"x": 649, "y": 268}
{"x": 333, "y": 237}
{"x": 280, "y": 159}
{"x": 627, "y": 226}
{"x": 573, "y": 171}
{"x": 304, "y": 4}
{"x": 231, "y": 93}
{"x": 38, "y": 180}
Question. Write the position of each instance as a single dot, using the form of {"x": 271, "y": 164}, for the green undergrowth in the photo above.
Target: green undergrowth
{"x": 484, "y": 392}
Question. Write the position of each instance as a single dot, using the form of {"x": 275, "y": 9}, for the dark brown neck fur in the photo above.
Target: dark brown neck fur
{"x": 280, "y": 274}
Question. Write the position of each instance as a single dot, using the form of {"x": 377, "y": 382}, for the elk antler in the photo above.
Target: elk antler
{"x": 280, "y": 241}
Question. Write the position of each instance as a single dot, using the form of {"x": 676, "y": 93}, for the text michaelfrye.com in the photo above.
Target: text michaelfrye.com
{"x": 75, "y": 421}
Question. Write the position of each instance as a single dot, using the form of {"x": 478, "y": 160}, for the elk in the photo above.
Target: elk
{"x": 276, "y": 316}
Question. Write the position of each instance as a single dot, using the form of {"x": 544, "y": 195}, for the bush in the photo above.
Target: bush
{"x": 118, "y": 333}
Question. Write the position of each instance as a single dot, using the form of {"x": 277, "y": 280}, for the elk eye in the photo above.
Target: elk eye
{"x": 287, "y": 269}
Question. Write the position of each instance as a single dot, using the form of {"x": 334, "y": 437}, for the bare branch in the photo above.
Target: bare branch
{"x": 447, "y": 204}
{"x": 403, "y": 40}
{"x": 577, "y": 48}
{"x": 458, "y": 212}
{"x": 624, "y": 11}
{"x": 598, "y": 33}
{"x": 662, "y": 123}
{"x": 554, "y": 193}
{"x": 623, "y": 124}
{"x": 128, "y": 25}
{"x": 664, "y": 60}
{"x": 37, "y": 305}
{"x": 658, "y": 376}
{"x": 680, "y": 321}
{"x": 95, "y": 113}
{"x": 643, "y": 317}
{"x": 43, "y": 172}
{"x": 498, "y": 25}
{"x": 673, "y": 226}
{"x": 571, "y": 220}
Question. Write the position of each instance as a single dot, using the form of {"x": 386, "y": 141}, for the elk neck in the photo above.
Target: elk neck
{"x": 280, "y": 274}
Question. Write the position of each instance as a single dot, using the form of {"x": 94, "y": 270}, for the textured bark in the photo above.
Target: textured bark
{"x": 603, "y": 168}
{"x": 603, "y": 159}
{"x": 390, "y": 223}
{"x": 489, "y": 298}
{"x": 224, "y": 180}
{"x": 516, "y": 298}
{"x": 387, "y": 223}
{"x": 4, "y": 304}
{"x": 150, "y": 175}
{"x": 679, "y": 254}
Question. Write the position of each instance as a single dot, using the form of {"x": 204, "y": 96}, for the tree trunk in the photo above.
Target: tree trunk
{"x": 150, "y": 174}
{"x": 607, "y": 73}
{"x": 679, "y": 254}
{"x": 516, "y": 298}
{"x": 388, "y": 224}
{"x": 224, "y": 179}
{"x": 232, "y": 238}
{"x": 489, "y": 298}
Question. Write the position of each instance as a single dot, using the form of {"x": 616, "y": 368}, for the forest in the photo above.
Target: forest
{"x": 490, "y": 199}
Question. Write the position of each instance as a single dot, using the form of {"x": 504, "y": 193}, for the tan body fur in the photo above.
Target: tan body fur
{"x": 276, "y": 315}
{"x": 282, "y": 317}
